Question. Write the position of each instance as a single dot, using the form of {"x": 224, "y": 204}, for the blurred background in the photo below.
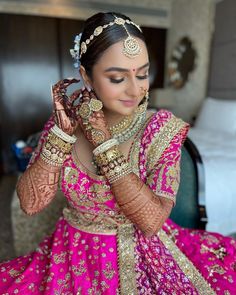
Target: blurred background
{"x": 192, "y": 45}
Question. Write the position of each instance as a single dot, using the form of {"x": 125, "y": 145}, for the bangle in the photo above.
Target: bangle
{"x": 105, "y": 146}
{"x": 119, "y": 175}
{"x": 58, "y": 143}
{"x": 64, "y": 136}
{"x": 108, "y": 156}
{"x": 52, "y": 156}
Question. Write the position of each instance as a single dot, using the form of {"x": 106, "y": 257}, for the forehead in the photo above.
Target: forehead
{"x": 114, "y": 57}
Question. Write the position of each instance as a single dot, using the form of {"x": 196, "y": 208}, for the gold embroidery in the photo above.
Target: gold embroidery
{"x": 172, "y": 176}
{"x": 220, "y": 253}
{"x": 135, "y": 149}
{"x": 187, "y": 266}
{"x": 119, "y": 225}
{"x": 64, "y": 285}
{"x": 108, "y": 271}
{"x": 59, "y": 258}
{"x": 14, "y": 273}
{"x": 76, "y": 239}
{"x": 91, "y": 223}
{"x": 78, "y": 270}
{"x": 216, "y": 268}
{"x": 71, "y": 175}
{"x": 126, "y": 260}
{"x": 162, "y": 140}
{"x": 81, "y": 199}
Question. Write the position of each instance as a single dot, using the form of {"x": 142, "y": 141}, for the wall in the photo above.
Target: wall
{"x": 194, "y": 19}
{"x": 34, "y": 54}
{"x": 222, "y": 81}
{"x": 152, "y": 13}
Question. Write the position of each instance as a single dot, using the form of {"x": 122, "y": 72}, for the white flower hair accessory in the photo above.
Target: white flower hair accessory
{"x": 75, "y": 52}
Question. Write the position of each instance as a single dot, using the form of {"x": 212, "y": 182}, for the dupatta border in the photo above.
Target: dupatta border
{"x": 202, "y": 286}
{"x": 162, "y": 139}
{"x": 126, "y": 260}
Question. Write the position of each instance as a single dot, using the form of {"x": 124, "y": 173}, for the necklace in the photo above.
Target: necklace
{"x": 127, "y": 127}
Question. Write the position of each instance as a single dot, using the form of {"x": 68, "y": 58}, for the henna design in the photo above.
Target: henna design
{"x": 37, "y": 186}
{"x": 65, "y": 109}
{"x": 139, "y": 203}
{"x": 94, "y": 125}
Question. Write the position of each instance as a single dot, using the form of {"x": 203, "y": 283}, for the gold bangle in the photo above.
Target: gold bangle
{"x": 108, "y": 156}
{"x": 105, "y": 146}
{"x": 65, "y": 147}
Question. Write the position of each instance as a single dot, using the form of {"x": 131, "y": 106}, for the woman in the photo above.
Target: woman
{"x": 118, "y": 167}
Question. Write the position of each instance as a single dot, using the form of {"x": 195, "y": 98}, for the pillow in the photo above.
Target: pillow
{"x": 217, "y": 115}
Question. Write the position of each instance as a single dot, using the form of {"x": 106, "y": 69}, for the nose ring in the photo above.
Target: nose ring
{"x": 143, "y": 91}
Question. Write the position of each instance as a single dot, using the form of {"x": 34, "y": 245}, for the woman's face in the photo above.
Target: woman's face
{"x": 119, "y": 81}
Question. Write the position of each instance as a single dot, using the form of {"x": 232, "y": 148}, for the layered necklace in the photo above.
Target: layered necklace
{"x": 126, "y": 128}
{"x": 129, "y": 126}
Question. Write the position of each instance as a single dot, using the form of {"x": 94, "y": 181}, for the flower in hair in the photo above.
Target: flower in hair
{"x": 75, "y": 51}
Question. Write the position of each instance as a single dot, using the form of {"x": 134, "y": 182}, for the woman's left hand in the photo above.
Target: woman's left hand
{"x": 92, "y": 120}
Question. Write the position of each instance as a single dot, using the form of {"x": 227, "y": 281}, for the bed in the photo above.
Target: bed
{"x": 214, "y": 134}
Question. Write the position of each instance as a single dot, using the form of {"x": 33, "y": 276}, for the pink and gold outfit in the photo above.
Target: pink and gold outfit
{"x": 96, "y": 250}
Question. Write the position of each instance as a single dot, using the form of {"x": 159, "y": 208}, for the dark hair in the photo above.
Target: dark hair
{"x": 108, "y": 37}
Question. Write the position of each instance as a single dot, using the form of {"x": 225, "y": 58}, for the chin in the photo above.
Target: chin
{"x": 127, "y": 111}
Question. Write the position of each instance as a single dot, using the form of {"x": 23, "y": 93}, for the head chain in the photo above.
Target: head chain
{"x": 131, "y": 47}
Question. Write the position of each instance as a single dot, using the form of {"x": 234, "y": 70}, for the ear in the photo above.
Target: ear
{"x": 85, "y": 77}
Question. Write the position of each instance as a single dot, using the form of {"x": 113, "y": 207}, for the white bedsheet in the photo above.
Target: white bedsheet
{"x": 218, "y": 151}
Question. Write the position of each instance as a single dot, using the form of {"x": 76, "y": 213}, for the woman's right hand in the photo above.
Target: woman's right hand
{"x": 64, "y": 113}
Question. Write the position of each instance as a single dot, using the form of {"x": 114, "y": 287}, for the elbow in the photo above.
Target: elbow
{"x": 153, "y": 225}
{"x": 152, "y": 230}
{"x": 25, "y": 200}
{"x": 24, "y": 205}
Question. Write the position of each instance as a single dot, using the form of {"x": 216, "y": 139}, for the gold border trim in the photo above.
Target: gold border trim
{"x": 126, "y": 260}
{"x": 202, "y": 286}
{"x": 83, "y": 225}
{"x": 135, "y": 148}
{"x": 163, "y": 138}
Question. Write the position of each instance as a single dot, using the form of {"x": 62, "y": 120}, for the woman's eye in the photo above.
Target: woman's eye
{"x": 113, "y": 80}
{"x": 143, "y": 77}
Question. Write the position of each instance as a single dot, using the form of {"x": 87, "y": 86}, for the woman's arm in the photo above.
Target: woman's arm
{"x": 140, "y": 204}
{"x": 147, "y": 204}
{"x": 38, "y": 185}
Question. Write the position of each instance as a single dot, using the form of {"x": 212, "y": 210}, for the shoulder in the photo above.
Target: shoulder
{"x": 163, "y": 123}
{"x": 163, "y": 132}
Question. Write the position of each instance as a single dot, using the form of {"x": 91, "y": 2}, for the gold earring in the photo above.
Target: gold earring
{"x": 146, "y": 95}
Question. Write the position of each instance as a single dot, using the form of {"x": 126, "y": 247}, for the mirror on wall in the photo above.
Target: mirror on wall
{"x": 182, "y": 63}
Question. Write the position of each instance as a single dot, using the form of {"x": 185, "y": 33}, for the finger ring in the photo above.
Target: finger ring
{"x": 95, "y": 105}
{"x": 85, "y": 110}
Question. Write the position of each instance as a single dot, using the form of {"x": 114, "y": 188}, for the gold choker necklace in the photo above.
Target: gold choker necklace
{"x": 127, "y": 127}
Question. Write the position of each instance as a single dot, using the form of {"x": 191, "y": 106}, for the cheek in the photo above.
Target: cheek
{"x": 106, "y": 90}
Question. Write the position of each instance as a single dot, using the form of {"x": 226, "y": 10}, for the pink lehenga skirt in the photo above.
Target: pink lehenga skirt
{"x": 108, "y": 259}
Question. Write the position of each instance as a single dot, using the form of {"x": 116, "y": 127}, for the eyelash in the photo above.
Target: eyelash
{"x": 117, "y": 81}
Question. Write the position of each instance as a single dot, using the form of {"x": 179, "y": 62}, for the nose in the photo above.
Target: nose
{"x": 133, "y": 88}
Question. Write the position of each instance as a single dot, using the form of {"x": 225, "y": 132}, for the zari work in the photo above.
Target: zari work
{"x": 96, "y": 250}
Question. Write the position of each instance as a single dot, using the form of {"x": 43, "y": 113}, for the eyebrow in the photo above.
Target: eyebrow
{"x": 117, "y": 69}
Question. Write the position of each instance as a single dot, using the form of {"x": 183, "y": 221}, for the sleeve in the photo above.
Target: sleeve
{"x": 48, "y": 125}
{"x": 163, "y": 176}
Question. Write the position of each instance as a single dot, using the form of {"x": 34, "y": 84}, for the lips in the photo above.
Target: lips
{"x": 129, "y": 103}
